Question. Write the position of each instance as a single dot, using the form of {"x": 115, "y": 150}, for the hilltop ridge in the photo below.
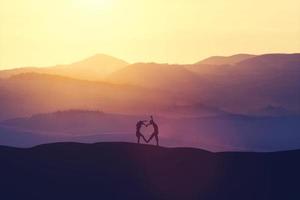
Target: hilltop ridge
{"x": 132, "y": 171}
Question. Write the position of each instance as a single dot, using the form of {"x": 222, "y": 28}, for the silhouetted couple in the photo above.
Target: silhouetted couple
{"x": 153, "y": 135}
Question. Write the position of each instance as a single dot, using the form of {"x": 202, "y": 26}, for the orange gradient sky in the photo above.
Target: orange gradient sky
{"x": 49, "y": 32}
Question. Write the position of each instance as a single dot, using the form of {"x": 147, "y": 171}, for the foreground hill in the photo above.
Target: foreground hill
{"x": 130, "y": 171}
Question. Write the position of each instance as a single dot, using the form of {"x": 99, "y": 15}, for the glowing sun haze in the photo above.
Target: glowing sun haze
{"x": 49, "y": 32}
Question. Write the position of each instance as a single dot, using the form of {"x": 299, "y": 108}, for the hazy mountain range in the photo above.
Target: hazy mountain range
{"x": 256, "y": 85}
{"x": 241, "y": 102}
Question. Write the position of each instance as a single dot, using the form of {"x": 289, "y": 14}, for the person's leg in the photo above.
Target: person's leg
{"x": 138, "y": 139}
{"x": 157, "y": 141}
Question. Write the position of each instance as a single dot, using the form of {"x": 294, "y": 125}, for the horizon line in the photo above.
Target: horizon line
{"x": 3, "y": 68}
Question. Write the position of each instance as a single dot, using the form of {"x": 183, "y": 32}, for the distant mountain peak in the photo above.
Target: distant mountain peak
{"x": 93, "y": 68}
{"x": 226, "y": 60}
{"x": 273, "y": 59}
{"x": 101, "y": 58}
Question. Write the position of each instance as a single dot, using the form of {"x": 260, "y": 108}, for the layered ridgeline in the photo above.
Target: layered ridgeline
{"x": 266, "y": 85}
{"x": 31, "y": 93}
{"x": 93, "y": 68}
{"x": 225, "y": 60}
{"x": 130, "y": 171}
{"x": 251, "y": 86}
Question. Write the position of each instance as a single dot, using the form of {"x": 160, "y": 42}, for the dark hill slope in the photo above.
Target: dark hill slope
{"x": 130, "y": 171}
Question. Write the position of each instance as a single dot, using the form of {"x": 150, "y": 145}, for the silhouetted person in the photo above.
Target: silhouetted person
{"x": 139, "y": 125}
{"x": 155, "y": 132}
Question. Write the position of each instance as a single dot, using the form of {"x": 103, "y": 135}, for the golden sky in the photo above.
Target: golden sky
{"x": 49, "y": 32}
